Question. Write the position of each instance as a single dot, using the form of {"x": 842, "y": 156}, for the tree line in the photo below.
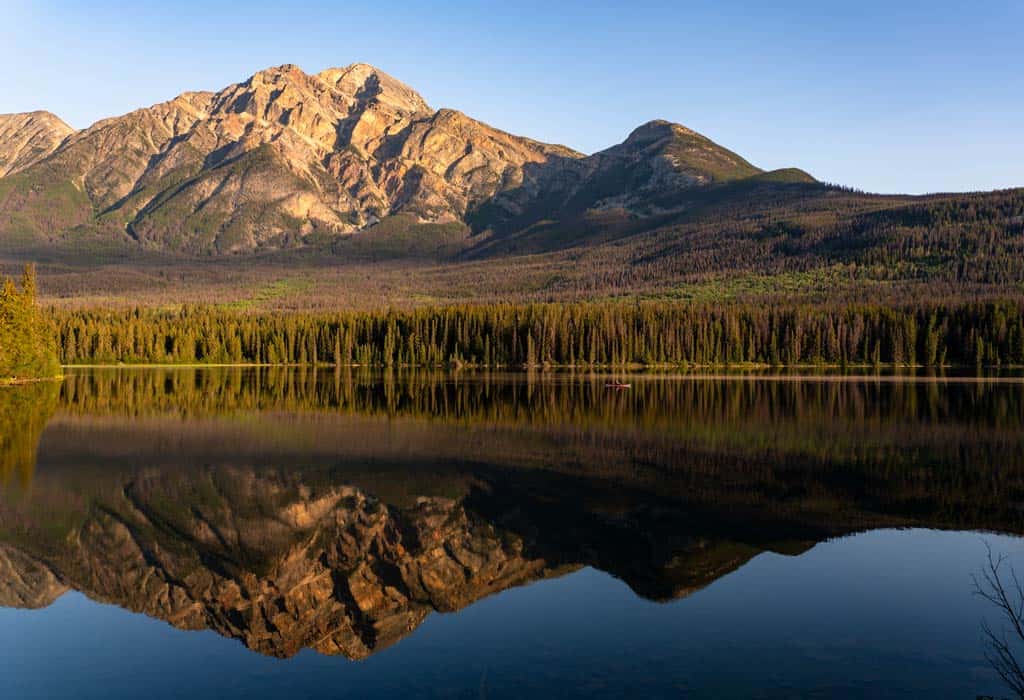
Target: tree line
{"x": 610, "y": 334}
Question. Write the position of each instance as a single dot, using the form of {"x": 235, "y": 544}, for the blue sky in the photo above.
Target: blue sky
{"x": 885, "y": 96}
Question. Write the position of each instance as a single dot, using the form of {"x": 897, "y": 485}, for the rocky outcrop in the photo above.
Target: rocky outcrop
{"x": 25, "y": 139}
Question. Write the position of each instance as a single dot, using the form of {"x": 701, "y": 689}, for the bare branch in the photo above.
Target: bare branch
{"x": 1005, "y": 592}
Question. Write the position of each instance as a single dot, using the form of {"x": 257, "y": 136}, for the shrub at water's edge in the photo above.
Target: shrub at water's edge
{"x": 28, "y": 347}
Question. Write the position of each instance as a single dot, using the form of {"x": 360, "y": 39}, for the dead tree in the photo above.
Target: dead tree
{"x": 998, "y": 584}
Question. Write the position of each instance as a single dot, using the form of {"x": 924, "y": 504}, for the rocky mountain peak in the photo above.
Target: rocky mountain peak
{"x": 655, "y": 130}
{"x": 681, "y": 156}
{"x": 365, "y": 83}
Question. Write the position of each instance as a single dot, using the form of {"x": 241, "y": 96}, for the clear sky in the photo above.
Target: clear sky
{"x": 886, "y": 96}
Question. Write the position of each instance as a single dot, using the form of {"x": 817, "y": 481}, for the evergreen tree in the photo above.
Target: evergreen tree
{"x": 28, "y": 346}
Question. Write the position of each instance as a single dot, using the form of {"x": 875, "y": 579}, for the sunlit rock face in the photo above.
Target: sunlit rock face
{"x": 282, "y": 153}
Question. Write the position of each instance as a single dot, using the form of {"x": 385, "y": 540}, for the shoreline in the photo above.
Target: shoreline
{"x": 775, "y": 373}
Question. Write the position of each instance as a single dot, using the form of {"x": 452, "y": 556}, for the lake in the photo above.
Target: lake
{"x": 290, "y": 532}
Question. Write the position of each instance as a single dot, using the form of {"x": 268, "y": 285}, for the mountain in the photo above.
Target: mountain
{"x": 351, "y": 167}
{"x": 268, "y": 162}
{"x": 25, "y": 139}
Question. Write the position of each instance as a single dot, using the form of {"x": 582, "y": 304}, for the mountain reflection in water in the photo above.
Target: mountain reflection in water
{"x": 294, "y": 509}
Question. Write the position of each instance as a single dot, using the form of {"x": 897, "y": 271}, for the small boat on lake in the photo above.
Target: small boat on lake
{"x": 617, "y": 385}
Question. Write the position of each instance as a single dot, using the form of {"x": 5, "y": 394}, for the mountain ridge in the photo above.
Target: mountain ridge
{"x": 268, "y": 162}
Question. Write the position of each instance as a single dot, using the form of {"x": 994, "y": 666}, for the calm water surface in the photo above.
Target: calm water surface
{"x": 288, "y": 533}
